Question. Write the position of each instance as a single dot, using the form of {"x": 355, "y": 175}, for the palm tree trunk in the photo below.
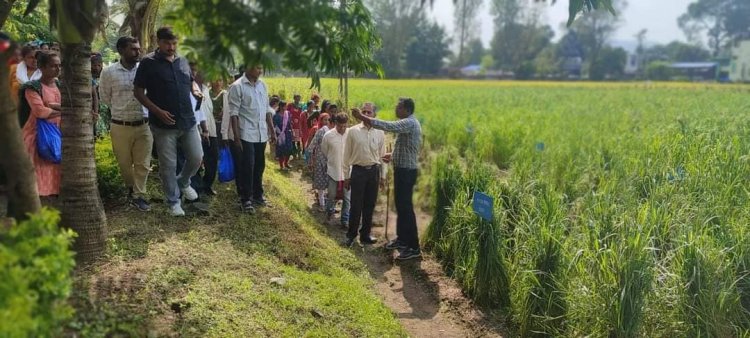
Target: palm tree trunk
{"x": 16, "y": 163}
{"x": 82, "y": 208}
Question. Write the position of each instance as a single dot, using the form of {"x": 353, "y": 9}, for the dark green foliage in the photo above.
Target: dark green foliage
{"x": 610, "y": 65}
{"x": 314, "y": 37}
{"x": 28, "y": 28}
{"x": 658, "y": 71}
{"x": 426, "y": 52}
{"x": 108, "y": 171}
{"x": 35, "y": 269}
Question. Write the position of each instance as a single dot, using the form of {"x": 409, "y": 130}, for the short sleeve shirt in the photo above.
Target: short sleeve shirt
{"x": 169, "y": 86}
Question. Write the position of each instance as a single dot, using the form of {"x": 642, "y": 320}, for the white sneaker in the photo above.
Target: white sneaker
{"x": 176, "y": 210}
{"x": 189, "y": 193}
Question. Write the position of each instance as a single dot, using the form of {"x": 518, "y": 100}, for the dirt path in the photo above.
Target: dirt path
{"x": 427, "y": 303}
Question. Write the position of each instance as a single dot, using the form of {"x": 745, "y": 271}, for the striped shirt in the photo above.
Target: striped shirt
{"x": 116, "y": 91}
{"x": 408, "y": 140}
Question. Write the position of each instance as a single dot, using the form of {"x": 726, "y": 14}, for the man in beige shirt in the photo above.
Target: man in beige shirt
{"x": 364, "y": 147}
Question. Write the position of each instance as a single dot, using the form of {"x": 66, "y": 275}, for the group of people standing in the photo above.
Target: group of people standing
{"x": 161, "y": 104}
{"x": 349, "y": 163}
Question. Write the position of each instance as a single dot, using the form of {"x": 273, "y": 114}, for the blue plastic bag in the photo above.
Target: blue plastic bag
{"x": 226, "y": 165}
{"x": 48, "y": 141}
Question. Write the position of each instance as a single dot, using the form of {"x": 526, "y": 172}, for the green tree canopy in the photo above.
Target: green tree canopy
{"x": 315, "y": 37}
{"x": 677, "y": 51}
{"x": 721, "y": 20}
{"x": 427, "y": 50}
{"x": 27, "y": 28}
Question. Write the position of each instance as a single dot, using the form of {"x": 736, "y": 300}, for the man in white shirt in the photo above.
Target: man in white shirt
{"x": 131, "y": 136}
{"x": 333, "y": 149}
{"x": 364, "y": 172}
{"x": 251, "y": 120}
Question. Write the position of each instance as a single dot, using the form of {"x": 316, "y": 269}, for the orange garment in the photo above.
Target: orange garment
{"x": 47, "y": 173}
{"x": 14, "y": 85}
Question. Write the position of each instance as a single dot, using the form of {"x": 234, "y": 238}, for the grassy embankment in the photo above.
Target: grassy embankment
{"x": 211, "y": 275}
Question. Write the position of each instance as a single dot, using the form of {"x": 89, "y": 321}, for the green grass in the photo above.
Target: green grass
{"x": 211, "y": 275}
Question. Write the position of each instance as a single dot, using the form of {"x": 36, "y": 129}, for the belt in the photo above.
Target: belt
{"x": 366, "y": 167}
{"x": 131, "y": 123}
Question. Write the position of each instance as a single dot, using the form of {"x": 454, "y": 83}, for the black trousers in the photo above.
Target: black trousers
{"x": 210, "y": 162}
{"x": 364, "y": 195}
{"x": 260, "y": 166}
{"x": 239, "y": 175}
{"x": 249, "y": 169}
{"x": 245, "y": 171}
{"x": 406, "y": 222}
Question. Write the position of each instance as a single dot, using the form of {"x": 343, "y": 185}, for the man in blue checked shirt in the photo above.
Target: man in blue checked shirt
{"x": 405, "y": 158}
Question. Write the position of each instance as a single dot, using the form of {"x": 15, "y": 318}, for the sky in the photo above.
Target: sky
{"x": 659, "y": 17}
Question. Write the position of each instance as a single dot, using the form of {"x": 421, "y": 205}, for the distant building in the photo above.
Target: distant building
{"x": 632, "y": 65}
{"x": 696, "y": 71}
{"x": 471, "y": 70}
{"x": 739, "y": 63}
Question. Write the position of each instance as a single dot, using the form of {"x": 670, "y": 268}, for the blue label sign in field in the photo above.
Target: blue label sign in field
{"x": 483, "y": 205}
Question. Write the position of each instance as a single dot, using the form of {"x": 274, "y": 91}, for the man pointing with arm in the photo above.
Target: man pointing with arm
{"x": 405, "y": 160}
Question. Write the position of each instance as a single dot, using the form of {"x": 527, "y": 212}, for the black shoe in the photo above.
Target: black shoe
{"x": 368, "y": 240}
{"x": 247, "y": 207}
{"x": 409, "y": 253}
{"x": 395, "y": 245}
{"x": 141, "y": 204}
{"x": 209, "y": 192}
{"x": 348, "y": 242}
{"x": 261, "y": 203}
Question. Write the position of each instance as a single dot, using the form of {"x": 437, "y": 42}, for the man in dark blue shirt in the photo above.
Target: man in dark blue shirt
{"x": 163, "y": 84}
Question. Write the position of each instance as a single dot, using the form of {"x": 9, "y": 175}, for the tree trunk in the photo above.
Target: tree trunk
{"x": 16, "y": 163}
{"x": 82, "y": 208}
{"x": 5, "y": 7}
{"x": 346, "y": 90}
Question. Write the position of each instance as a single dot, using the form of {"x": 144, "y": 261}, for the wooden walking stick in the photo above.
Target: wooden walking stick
{"x": 387, "y": 199}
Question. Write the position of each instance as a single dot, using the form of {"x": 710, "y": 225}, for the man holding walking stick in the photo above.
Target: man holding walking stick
{"x": 405, "y": 159}
{"x": 364, "y": 148}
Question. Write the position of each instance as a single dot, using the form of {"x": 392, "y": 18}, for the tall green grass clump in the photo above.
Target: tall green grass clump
{"x": 741, "y": 260}
{"x": 634, "y": 272}
{"x": 35, "y": 269}
{"x": 492, "y": 281}
{"x": 471, "y": 248}
{"x": 446, "y": 182}
{"x": 539, "y": 265}
{"x": 711, "y": 304}
{"x": 542, "y": 309}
